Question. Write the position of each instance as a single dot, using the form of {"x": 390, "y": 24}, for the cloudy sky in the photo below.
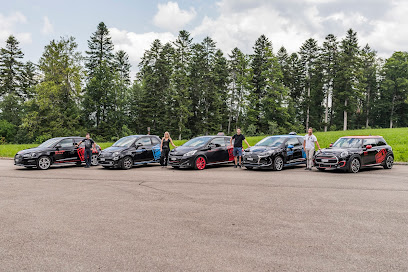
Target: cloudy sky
{"x": 134, "y": 24}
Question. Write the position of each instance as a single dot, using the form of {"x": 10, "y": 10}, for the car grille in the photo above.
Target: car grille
{"x": 326, "y": 160}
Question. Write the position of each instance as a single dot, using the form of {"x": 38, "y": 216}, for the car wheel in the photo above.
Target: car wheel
{"x": 278, "y": 163}
{"x": 43, "y": 162}
{"x": 127, "y": 163}
{"x": 354, "y": 165}
{"x": 200, "y": 163}
{"x": 321, "y": 169}
{"x": 94, "y": 160}
{"x": 389, "y": 162}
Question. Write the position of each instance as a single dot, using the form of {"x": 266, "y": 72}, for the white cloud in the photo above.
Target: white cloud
{"x": 135, "y": 44}
{"x": 7, "y": 25}
{"x": 47, "y": 28}
{"x": 170, "y": 17}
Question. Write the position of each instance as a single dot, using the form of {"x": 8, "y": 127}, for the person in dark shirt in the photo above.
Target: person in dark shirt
{"x": 237, "y": 151}
{"x": 165, "y": 148}
{"x": 89, "y": 144}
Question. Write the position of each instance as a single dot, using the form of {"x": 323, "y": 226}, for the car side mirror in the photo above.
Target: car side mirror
{"x": 57, "y": 146}
{"x": 138, "y": 145}
{"x": 369, "y": 146}
{"x": 290, "y": 146}
{"x": 331, "y": 145}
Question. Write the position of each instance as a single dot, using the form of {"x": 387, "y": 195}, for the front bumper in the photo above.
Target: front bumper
{"x": 19, "y": 160}
{"x": 256, "y": 161}
{"x": 108, "y": 162}
{"x": 180, "y": 161}
{"x": 331, "y": 162}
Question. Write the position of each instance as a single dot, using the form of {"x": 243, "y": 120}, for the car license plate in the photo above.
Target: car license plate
{"x": 250, "y": 159}
{"x": 102, "y": 159}
{"x": 172, "y": 159}
{"x": 325, "y": 160}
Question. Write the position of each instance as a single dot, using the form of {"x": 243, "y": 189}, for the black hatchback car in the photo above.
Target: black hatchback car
{"x": 275, "y": 152}
{"x": 59, "y": 150}
{"x": 352, "y": 153}
{"x": 131, "y": 150}
{"x": 202, "y": 151}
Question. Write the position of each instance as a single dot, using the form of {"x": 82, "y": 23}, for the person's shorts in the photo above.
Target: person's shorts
{"x": 237, "y": 151}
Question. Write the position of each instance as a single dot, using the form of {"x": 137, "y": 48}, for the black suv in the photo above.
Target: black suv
{"x": 131, "y": 150}
{"x": 202, "y": 151}
{"x": 59, "y": 150}
{"x": 275, "y": 152}
{"x": 352, "y": 153}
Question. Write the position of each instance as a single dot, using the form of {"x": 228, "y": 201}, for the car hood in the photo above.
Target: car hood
{"x": 114, "y": 149}
{"x": 181, "y": 150}
{"x": 259, "y": 149}
{"x": 336, "y": 151}
{"x": 30, "y": 150}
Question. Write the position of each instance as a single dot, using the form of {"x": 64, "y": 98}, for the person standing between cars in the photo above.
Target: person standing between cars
{"x": 165, "y": 148}
{"x": 309, "y": 147}
{"x": 89, "y": 144}
{"x": 237, "y": 151}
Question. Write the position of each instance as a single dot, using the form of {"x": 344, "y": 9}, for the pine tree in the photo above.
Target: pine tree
{"x": 99, "y": 93}
{"x": 238, "y": 72}
{"x": 11, "y": 91}
{"x": 348, "y": 90}
{"x": 328, "y": 62}
{"x": 181, "y": 82}
{"x": 311, "y": 82}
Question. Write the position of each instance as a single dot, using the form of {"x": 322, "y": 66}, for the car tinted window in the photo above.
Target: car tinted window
{"x": 227, "y": 141}
{"x": 66, "y": 143}
{"x": 348, "y": 143}
{"x": 271, "y": 141}
{"x": 144, "y": 141}
{"x": 372, "y": 142}
{"x": 155, "y": 141}
{"x": 301, "y": 140}
{"x": 292, "y": 141}
{"x": 199, "y": 141}
{"x": 381, "y": 142}
{"x": 218, "y": 142}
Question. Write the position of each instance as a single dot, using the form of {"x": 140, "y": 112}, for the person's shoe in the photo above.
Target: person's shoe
{"x": 310, "y": 169}
{"x": 239, "y": 166}
{"x": 235, "y": 166}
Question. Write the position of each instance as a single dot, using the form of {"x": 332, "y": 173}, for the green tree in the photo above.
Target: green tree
{"x": 54, "y": 109}
{"x": 180, "y": 83}
{"x": 238, "y": 73}
{"x": 394, "y": 91}
{"x": 347, "y": 83}
{"x": 328, "y": 63}
{"x": 11, "y": 91}
{"x": 99, "y": 93}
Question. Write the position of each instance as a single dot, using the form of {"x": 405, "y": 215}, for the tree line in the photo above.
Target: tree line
{"x": 192, "y": 88}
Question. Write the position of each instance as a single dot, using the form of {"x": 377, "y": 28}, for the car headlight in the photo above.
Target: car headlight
{"x": 344, "y": 154}
{"x": 190, "y": 153}
{"x": 115, "y": 156}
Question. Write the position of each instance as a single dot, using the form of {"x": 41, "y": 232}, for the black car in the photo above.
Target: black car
{"x": 202, "y": 151}
{"x": 131, "y": 150}
{"x": 275, "y": 152}
{"x": 352, "y": 153}
{"x": 59, "y": 150}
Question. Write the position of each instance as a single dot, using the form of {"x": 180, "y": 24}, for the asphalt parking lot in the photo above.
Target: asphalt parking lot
{"x": 219, "y": 219}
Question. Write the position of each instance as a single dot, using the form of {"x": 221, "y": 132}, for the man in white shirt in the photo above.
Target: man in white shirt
{"x": 309, "y": 147}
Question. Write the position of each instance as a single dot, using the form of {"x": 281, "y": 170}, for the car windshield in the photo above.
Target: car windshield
{"x": 348, "y": 143}
{"x": 50, "y": 142}
{"x": 199, "y": 141}
{"x": 271, "y": 141}
{"x": 124, "y": 142}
